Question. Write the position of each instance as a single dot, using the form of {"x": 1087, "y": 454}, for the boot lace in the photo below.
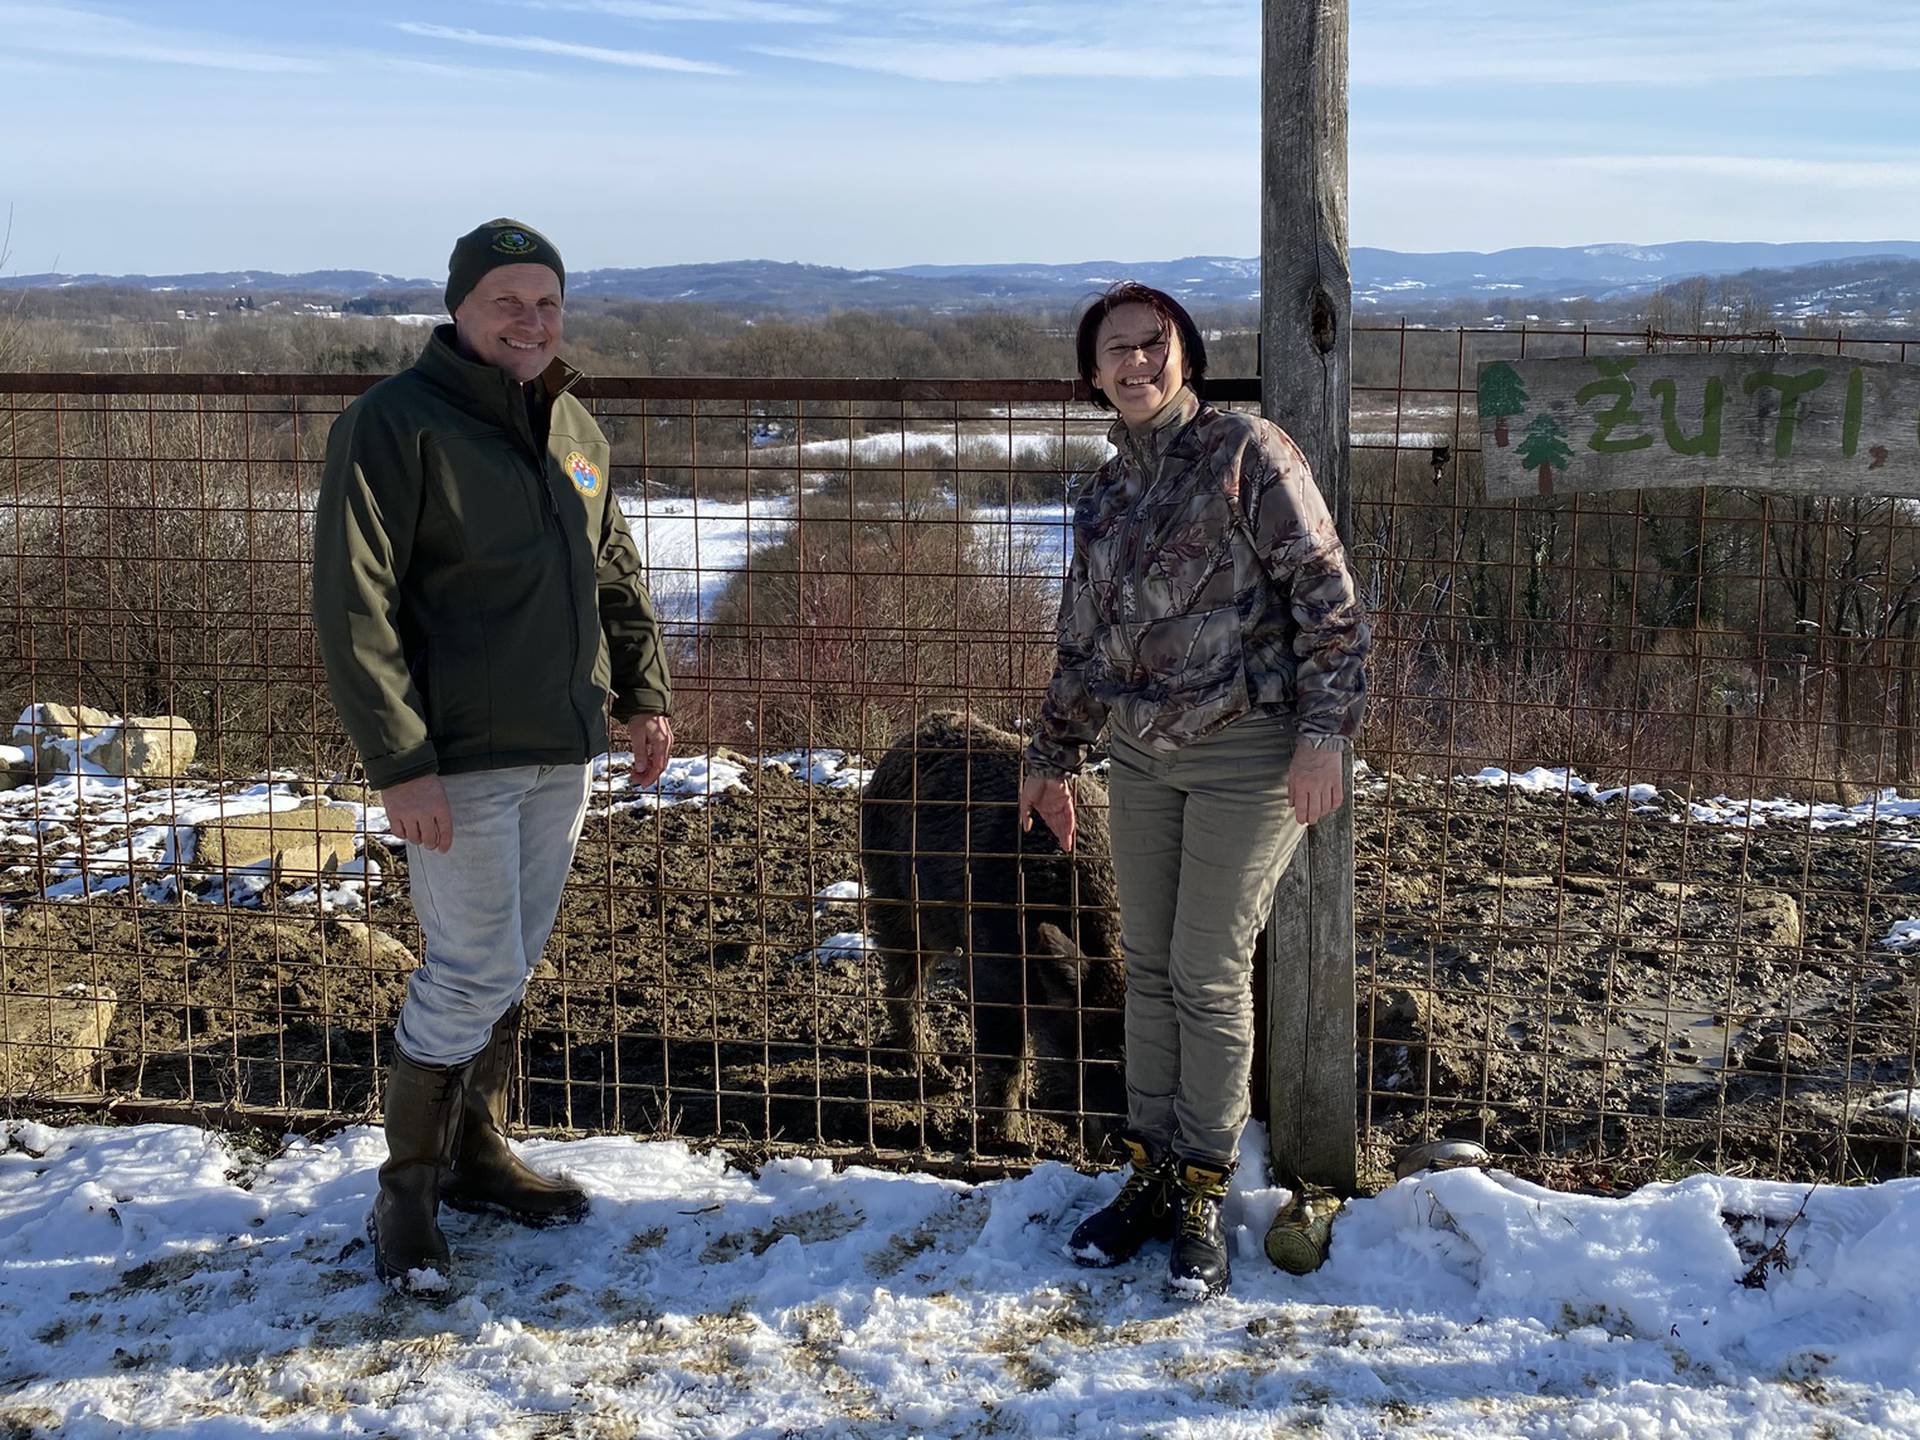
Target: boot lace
{"x": 1136, "y": 1186}
{"x": 1193, "y": 1223}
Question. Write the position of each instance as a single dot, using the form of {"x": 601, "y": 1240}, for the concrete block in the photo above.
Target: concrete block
{"x": 54, "y": 734}
{"x": 54, "y": 1045}
{"x": 354, "y": 942}
{"x": 64, "y": 740}
{"x": 152, "y": 747}
{"x": 303, "y": 844}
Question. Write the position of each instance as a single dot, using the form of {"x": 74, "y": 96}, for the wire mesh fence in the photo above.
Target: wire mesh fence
{"x": 1636, "y": 886}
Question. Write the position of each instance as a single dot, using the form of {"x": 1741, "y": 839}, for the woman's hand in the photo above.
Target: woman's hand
{"x": 1315, "y": 783}
{"x": 1048, "y": 796}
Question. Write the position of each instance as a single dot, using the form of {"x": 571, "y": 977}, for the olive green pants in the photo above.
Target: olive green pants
{"x": 1201, "y": 836}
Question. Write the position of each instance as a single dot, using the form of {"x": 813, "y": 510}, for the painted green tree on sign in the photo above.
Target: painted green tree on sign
{"x": 1544, "y": 448}
{"x": 1501, "y": 395}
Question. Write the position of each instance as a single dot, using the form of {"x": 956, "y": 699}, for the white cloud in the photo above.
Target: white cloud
{"x": 90, "y": 34}
{"x": 759, "y": 12}
{"x": 1140, "y": 24}
{"x": 450, "y": 69}
{"x": 540, "y": 45}
{"x": 1629, "y": 42}
{"x": 978, "y": 61}
{"x": 1410, "y": 199}
{"x": 1762, "y": 170}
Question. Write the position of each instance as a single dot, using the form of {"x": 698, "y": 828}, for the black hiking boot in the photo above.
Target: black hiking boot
{"x": 487, "y": 1175}
{"x": 1141, "y": 1211}
{"x": 423, "y": 1124}
{"x": 1199, "y": 1265}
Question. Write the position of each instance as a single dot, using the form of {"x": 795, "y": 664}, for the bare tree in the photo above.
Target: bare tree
{"x": 10, "y": 317}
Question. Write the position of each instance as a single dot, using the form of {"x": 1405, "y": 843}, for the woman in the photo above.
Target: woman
{"x": 1210, "y": 617}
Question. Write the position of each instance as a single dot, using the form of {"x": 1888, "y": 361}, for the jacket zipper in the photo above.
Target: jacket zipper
{"x": 573, "y": 605}
{"x": 538, "y": 456}
{"x": 1130, "y": 550}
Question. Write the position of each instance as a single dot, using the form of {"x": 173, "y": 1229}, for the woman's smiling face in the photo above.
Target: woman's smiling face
{"x": 1138, "y": 362}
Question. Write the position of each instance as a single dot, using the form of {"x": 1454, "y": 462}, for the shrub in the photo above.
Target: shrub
{"x": 848, "y": 626}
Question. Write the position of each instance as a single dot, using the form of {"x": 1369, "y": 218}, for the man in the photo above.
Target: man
{"x": 478, "y": 598}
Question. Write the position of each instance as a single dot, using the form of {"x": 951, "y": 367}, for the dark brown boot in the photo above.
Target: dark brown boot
{"x": 487, "y": 1175}
{"x": 423, "y": 1123}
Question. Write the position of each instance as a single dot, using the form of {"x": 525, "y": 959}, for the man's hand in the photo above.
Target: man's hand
{"x": 651, "y": 738}
{"x": 417, "y": 812}
{"x": 1049, "y": 797}
{"x": 1315, "y": 783}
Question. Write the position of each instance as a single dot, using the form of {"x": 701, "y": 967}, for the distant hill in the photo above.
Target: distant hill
{"x": 1202, "y": 278}
{"x": 255, "y": 282}
{"x": 1385, "y": 281}
{"x": 1596, "y": 272}
{"x": 1879, "y": 284}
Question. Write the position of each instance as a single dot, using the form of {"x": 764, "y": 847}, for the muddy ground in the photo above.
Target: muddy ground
{"x": 1600, "y": 993}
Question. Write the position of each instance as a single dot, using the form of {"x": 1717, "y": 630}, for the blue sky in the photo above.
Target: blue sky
{"x": 171, "y": 135}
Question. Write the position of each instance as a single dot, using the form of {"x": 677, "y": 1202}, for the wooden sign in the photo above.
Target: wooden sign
{"x": 1812, "y": 424}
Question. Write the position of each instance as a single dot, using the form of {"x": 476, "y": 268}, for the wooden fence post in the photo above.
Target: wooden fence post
{"x": 1306, "y": 299}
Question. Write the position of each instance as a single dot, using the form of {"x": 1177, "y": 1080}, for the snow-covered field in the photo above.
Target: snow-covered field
{"x": 158, "y": 1281}
{"x": 693, "y": 547}
{"x": 1010, "y": 447}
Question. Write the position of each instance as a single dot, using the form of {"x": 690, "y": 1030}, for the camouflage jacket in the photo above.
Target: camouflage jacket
{"x": 1207, "y": 581}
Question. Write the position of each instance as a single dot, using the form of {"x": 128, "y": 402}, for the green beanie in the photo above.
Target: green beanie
{"x": 488, "y": 247}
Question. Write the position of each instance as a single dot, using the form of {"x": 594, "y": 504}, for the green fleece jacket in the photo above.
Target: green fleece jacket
{"x": 477, "y": 593}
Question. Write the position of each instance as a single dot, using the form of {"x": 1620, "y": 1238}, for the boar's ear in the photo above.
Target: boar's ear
{"x": 1055, "y": 941}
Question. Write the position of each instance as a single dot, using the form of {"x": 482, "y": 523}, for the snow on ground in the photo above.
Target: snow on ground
{"x": 1405, "y": 440}
{"x": 157, "y": 1280}
{"x": 694, "y": 547}
{"x": 987, "y": 448}
{"x": 87, "y": 835}
{"x": 834, "y": 768}
{"x": 1903, "y": 934}
{"x": 1893, "y": 814}
{"x": 690, "y": 779}
{"x": 96, "y": 835}
{"x": 1541, "y": 781}
{"x": 849, "y": 946}
{"x": 1890, "y": 815}
{"x": 1886, "y": 809}
{"x": 1032, "y": 540}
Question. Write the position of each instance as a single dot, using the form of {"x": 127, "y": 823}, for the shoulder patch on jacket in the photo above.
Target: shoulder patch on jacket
{"x": 584, "y": 474}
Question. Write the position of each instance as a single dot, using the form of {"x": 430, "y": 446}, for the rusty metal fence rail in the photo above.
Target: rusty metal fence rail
{"x": 1637, "y": 887}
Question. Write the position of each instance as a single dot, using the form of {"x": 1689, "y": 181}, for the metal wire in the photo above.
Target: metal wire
{"x": 1600, "y": 986}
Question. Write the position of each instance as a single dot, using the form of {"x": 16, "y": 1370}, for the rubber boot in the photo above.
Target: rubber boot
{"x": 423, "y": 1123}
{"x": 487, "y": 1175}
{"x": 1141, "y": 1211}
{"x": 1198, "y": 1267}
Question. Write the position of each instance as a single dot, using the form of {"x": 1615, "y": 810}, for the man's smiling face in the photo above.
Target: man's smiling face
{"x": 512, "y": 319}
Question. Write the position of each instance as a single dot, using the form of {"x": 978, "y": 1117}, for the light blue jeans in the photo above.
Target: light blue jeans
{"x": 487, "y": 905}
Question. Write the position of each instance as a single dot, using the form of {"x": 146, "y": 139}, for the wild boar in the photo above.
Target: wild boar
{"x": 1030, "y": 934}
